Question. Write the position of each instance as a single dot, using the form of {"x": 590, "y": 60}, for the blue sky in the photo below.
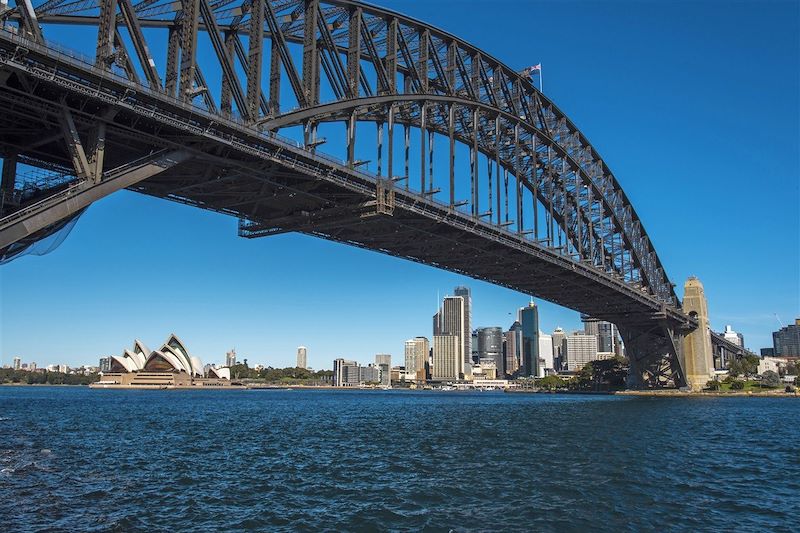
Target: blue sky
{"x": 693, "y": 105}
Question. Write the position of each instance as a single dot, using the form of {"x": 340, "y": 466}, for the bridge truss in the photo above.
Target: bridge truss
{"x": 404, "y": 139}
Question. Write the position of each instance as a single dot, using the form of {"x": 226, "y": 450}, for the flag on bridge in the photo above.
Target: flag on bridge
{"x": 530, "y": 70}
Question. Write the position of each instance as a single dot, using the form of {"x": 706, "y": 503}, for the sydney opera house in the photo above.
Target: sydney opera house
{"x": 171, "y": 366}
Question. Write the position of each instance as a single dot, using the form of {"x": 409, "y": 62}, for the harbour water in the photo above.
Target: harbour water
{"x": 74, "y": 459}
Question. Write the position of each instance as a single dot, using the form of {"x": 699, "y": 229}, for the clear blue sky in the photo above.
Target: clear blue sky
{"x": 693, "y": 105}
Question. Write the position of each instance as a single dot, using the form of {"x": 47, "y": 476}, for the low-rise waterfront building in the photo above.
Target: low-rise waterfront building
{"x": 775, "y": 364}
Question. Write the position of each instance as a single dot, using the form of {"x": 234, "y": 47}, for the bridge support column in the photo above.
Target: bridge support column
{"x": 8, "y": 180}
{"x": 654, "y": 354}
{"x": 697, "y": 354}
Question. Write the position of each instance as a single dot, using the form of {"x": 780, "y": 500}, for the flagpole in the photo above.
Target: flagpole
{"x": 541, "y": 79}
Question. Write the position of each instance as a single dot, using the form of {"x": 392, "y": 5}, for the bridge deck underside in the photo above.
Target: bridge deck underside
{"x": 238, "y": 172}
{"x": 282, "y": 200}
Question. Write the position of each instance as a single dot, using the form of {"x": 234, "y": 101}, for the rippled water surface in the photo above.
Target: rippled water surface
{"x": 79, "y": 459}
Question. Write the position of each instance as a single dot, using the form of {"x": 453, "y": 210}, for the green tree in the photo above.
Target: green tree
{"x": 750, "y": 365}
{"x": 584, "y": 380}
{"x": 713, "y": 385}
{"x": 735, "y": 368}
{"x": 770, "y": 379}
{"x": 737, "y": 385}
{"x": 551, "y": 383}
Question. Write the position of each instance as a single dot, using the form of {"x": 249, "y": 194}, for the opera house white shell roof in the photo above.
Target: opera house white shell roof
{"x": 171, "y": 357}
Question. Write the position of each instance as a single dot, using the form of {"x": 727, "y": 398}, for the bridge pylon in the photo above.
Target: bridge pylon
{"x": 697, "y": 353}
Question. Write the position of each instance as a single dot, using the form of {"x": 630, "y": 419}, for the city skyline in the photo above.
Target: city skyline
{"x": 253, "y": 294}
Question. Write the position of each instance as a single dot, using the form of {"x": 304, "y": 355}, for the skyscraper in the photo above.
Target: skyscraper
{"x": 513, "y": 348}
{"x": 529, "y": 318}
{"x": 466, "y": 294}
{"x": 302, "y": 357}
{"x": 558, "y": 348}
{"x": 578, "y": 349}
{"x": 230, "y": 358}
{"x": 384, "y": 362}
{"x": 490, "y": 346}
{"x": 546, "y": 361}
{"x": 450, "y": 321}
{"x": 732, "y": 336}
{"x": 416, "y": 355}
{"x": 447, "y": 361}
{"x": 17, "y": 363}
{"x": 787, "y": 340}
{"x": 606, "y": 333}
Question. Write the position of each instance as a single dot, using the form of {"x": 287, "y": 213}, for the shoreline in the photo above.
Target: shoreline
{"x": 666, "y": 393}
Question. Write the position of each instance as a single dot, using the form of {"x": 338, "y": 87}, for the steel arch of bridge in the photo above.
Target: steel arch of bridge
{"x": 349, "y": 62}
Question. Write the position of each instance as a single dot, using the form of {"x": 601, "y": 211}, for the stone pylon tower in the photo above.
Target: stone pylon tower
{"x": 698, "y": 361}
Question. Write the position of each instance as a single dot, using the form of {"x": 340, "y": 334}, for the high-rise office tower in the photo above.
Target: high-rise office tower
{"x": 558, "y": 348}
{"x": 466, "y": 328}
{"x": 450, "y": 321}
{"x": 230, "y": 358}
{"x": 732, "y": 336}
{"x": 416, "y": 355}
{"x": 546, "y": 361}
{"x": 384, "y": 362}
{"x": 17, "y": 363}
{"x": 345, "y": 373}
{"x": 513, "y": 344}
{"x": 371, "y": 374}
{"x": 302, "y": 357}
{"x": 437, "y": 322}
{"x": 578, "y": 349}
{"x": 529, "y": 318}
{"x": 786, "y": 341}
{"x": 447, "y": 361}
{"x": 490, "y": 346}
{"x": 606, "y": 333}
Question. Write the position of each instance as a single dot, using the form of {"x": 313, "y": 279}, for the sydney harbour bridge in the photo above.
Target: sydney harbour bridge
{"x": 332, "y": 118}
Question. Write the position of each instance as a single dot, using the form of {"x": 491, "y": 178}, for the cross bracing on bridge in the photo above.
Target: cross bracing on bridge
{"x": 522, "y": 199}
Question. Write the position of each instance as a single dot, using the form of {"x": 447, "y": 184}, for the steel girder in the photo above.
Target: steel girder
{"x": 544, "y": 183}
{"x": 597, "y": 222}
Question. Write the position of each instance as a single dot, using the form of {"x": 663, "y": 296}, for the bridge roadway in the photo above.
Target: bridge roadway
{"x": 151, "y": 142}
